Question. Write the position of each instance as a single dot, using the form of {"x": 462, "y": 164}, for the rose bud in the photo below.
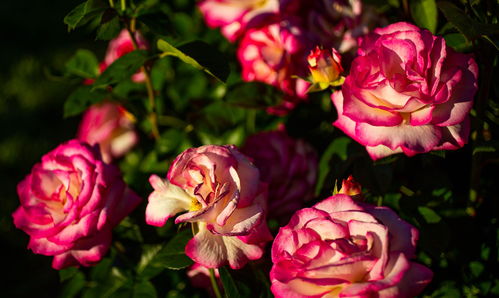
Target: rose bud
{"x": 225, "y": 202}
{"x": 351, "y": 187}
{"x": 343, "y": 248}
{"x": 111, "y": 126}
{"x": 70, "y": 202}
{"x": 325, "y": 66}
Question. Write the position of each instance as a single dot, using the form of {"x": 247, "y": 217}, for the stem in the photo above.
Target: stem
{"x": 405, "y": 5}
{"x": 214, "y": 283}
{"x": 153, "y": 117}
{"x": 123, "y": 5}
{"x": 111, "y": 3}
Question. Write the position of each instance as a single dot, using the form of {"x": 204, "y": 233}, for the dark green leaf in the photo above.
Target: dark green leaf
{"x": 230, "y": 287}
{"x": 122, "y": 68}
{"x": 83, "y": 64}
{"x": 144, "y": 289}
{"x": 459, "y": 19}
{"x": 429, "y": 215}
{"x": 73, "y": 286}
{"x": 200, "y": 55}
{"x": 337, "y": 147}
{"x": 252, "y": 95}
{"x": 158, "y": 23}
{"x": 424, "y": 13}
{"x": 79, "y": 15}
{"x": 457, "y": 41}
{"x": 68, "y": 273}
{"x": 110, "y": 25}
{"x": 81, "y": 99}
{"x": 171, "y": 255}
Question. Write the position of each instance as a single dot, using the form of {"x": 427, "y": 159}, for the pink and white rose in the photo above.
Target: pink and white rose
{"x": 324, "y": 66}
{"x": 199, "y": 277}
{"x": 225, "y": 202}
{"x": 408, "y": 92}
{"x": 122, "y": 45}
{"x": 111, "y": 126}
{"x": 342, "y": 248}
{"x": 234, "y": 16}
{"x": 275, "y": 54}
{"x": 70, "y": 202}
{"x": 288, "y": 165}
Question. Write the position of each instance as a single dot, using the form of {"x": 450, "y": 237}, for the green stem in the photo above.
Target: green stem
{"x": 123, "y": 5}
{"x": 153, "y": 116}
{"x": 111, "y": 3}
{"x": 214, "y": 283}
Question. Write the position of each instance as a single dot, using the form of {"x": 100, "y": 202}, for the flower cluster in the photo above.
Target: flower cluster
{"x": 276, "y": 37}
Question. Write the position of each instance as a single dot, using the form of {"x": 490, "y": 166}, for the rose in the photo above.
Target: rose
{"x": 225, "y": 200}
{"x": 111, "y": 126}
{"x": 341, "y": 248}
{"x": 70, "y": 202}
{"x": 275, "y": 54}
{"x": 407, "y": 92}
{"x": 325, "y": 66}
{"x": 122, "y": 45}
{"x": 234, "y": 16}
{"x": 330, "y": 23}
{"x": 288, "y": 165}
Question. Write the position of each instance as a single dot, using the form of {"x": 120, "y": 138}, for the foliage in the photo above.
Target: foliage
{"x": 198, "y": 98}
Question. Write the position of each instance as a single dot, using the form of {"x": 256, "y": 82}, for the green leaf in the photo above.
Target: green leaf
{"x": 78, "y": 16}
{"x": 144, "y": 289}
{"x": 110, "y": 25}
{"x": 230, "y": 287}
{"x": 122, "y": 68}
{"x": 338, "y": 147}
{"x": 252, "y": 95}
{"x": 81, "y": 99}
{"x": 68, "y": 273}
{"x": 424, "y": 13}
{"x": 83, "y": 64}
{"x": 155, "y": 258}
{"x": 74, "y": 286}
{"x": 459, "y": 19}
{"x": 199, "y": 55}
{"x": 429, "y": 215}
{"x": 484, "y": 149}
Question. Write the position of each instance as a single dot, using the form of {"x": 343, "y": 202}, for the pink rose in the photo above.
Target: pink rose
{"x": 341, "y": 248}
{"x": 407, "y": 92}
{"x": 225, "y": 200}
{"x": 70, "y": 203}
{"x": 111, "y": 126}
{"x": 288, "y": 165}
{"x": 330, "y": 23}
{"x": 122, "y": 45}
{"x": 275, "y": 54}
{"x": 234, "y": 16}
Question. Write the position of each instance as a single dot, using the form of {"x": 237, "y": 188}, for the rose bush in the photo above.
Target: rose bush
{"x": 408, "y": 92}
{"x": 288, "y": 165}
{"x": 70, "y": 203}
{"x": 225, "y": 200}
{"x": 341, "y": 248}
{"x": 111, "y": 126}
